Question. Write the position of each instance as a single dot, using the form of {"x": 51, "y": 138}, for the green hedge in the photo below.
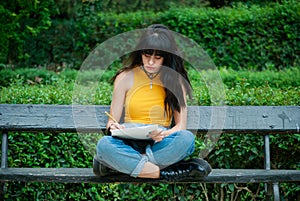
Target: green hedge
{"x": 258, "y": 37}
{"x": 69, "y": 150}
{"x": 262, "y": 37}
{"x": 242, "y": 87}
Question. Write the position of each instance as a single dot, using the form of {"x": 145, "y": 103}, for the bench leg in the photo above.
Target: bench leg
{"x": 268, "y": 187}
{"x": 272, "y": 190}
{"x": 276, "y": 192}
{"x": 4, "y": 161}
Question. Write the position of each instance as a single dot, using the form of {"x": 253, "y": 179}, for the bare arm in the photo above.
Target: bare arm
{"x": 122, "y": 84}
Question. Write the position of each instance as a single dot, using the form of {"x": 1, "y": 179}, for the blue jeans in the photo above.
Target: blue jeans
{"x": 130, "y": 156}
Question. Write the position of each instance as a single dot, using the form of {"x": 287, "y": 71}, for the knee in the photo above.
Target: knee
{"x": 188, "y": 140}
{"x": 188, "y": 136}
{"x": 104, "y": 145}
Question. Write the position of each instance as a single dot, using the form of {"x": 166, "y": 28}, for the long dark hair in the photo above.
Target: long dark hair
{"x": 173, "y": 74}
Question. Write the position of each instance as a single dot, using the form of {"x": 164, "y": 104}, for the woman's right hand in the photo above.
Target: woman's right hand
{"x": 115, "y": 126}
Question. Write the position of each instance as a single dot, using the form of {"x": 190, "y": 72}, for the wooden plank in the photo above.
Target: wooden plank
{"x": 91, "y": 118}
{"x": 85, "y": 175}
{"x": 52, "y": 118}
{"x": 245, "y": 119}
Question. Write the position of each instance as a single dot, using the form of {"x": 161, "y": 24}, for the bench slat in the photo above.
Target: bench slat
{"x": 90, "y": 118}
{"x": 85, "y": 175}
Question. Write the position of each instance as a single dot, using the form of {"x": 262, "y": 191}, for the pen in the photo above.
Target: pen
{"x": 110, "y": 116}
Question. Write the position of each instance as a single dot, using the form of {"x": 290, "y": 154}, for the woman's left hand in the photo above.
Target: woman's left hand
{"x": 157, "y": 135}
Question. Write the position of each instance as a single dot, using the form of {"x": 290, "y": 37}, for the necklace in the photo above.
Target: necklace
{"x": 151, "y": 76}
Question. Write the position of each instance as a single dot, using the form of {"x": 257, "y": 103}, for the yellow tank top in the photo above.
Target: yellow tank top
{"x": 145, "y": 104}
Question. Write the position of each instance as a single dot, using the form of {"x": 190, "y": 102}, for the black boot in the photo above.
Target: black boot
{"x": 193, "y": 168}
{"x": 101, "y": 170}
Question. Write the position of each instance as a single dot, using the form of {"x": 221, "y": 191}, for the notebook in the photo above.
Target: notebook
{"x": 138, "y": 133}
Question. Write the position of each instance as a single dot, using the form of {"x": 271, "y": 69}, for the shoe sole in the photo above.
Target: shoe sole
{"x": 198, "y": 161}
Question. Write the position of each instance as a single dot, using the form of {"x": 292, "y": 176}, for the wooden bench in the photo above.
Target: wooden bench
{"x": 259, "y": 120}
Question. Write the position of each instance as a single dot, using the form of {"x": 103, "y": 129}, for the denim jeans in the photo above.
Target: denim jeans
{"x": 130, "y": 156}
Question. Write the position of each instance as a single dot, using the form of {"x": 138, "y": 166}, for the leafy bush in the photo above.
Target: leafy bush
{"x": 242, "y": 37}
{"x": 21, "y": 21}
{"x": 33, "y": 76}
{"x": 36, "y": 76}
{"x": 287, "y": 78}
{"x": 261, "y": 37}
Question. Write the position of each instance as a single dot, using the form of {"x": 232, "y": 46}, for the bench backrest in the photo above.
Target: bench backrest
{"x": 91, "y": 118}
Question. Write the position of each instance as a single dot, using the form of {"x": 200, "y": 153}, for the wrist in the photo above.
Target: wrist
{"x": 108, "y": 132}
{"x": 164, "y": 133}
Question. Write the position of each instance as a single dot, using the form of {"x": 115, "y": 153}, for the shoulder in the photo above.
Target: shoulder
{"x": 125, "y": 78}
{"x": 127, "y": 74}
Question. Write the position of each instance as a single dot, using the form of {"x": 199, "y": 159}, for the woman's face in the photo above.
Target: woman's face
{"x": 152, "y": 60}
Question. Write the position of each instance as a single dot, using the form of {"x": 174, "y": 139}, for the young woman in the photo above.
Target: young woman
{"x": 152, "y": 89}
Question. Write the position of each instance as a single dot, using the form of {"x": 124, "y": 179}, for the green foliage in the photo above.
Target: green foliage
{"x": 260, "y": 37}
{"x": 37, "y": 94}
{"x": 43, "y": 150}
{"x": 283, "y": 79}
{"x": 125, "y": 6}
{"x": 242, "y": 36}
{"x": 21, "y": 21}
{"x": 33, "y": 76}
{"x": 251, "y": 87}
{"x": 40, "y": 76}
{"x": 245, "y": 95}
{"x": 5, "y": 28}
